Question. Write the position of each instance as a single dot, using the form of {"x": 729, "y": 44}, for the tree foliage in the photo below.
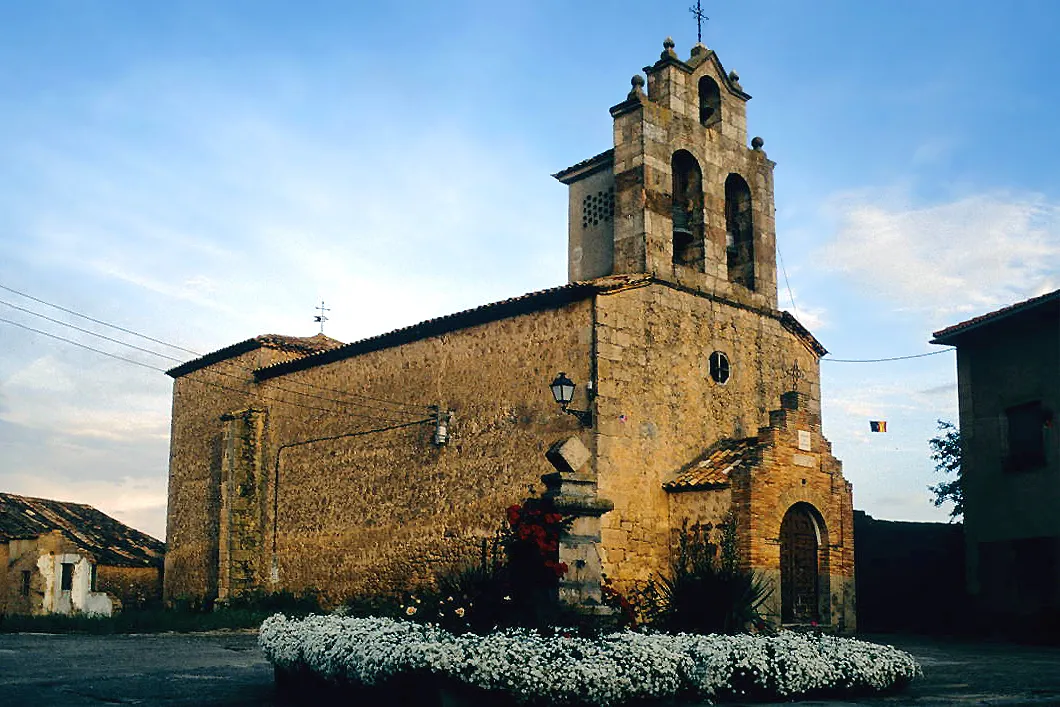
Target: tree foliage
{"x": 946, "y": 453}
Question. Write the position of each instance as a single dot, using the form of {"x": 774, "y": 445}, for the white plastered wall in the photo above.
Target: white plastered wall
{"x": 79, "y": 598}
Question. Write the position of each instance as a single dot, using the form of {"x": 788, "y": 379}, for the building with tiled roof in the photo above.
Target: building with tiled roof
{"x": 1008, "y": 389}
{"x": 64, "y": 557}
{"x": 371, "y": 466}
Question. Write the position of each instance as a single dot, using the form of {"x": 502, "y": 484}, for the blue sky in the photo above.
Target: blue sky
{"x": 204, "y": 172}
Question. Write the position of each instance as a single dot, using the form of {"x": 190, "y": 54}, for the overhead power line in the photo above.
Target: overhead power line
{"x": 98, "y": 321}
{"x": 90, "y": 332}
{"x": 83, "y": 346}
{"x": 218, "y": 372}
{"x": 787, "y": 284}
{"x": 194, "y": 380}
{"x": 406, "y": 406}
{"x": 882, "y": 360}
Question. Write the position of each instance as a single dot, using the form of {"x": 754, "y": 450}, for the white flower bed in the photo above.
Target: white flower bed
{"x": 610, "y": 670}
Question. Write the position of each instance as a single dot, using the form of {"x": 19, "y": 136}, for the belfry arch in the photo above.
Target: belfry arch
{"x": 803, "y": 564}
{"x": 687, "y": 210}
{"x": 709, "y": 102}
{"x": 739, "y": 232}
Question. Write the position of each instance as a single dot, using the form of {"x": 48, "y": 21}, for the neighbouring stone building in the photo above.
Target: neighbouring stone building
{"x": 301, "y": 463}
{"x": 67, "y": 558}
{"x": 1008, "y": 387}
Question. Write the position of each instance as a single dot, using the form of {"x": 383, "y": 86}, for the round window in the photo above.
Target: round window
{"x": 719, "y": 367}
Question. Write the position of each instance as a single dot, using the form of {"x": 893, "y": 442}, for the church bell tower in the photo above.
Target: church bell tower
{"x": 680, "y": 196}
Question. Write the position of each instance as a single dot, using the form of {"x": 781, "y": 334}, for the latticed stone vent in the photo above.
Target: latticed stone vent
{"x": 598, "y": 207}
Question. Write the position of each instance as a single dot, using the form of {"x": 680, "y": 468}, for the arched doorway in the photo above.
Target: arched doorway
{"x": 801, "y": 537}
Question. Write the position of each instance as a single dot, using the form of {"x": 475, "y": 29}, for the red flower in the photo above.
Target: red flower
{"x": 513, "y": 515}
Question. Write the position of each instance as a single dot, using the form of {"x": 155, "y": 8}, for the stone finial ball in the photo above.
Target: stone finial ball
{"x": 757, "y": 143}
{"x": 668, "y": 43}
{"x": 637, "y": 81}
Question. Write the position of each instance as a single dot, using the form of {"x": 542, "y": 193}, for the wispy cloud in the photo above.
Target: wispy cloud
{"x": 136, "y": 501}
{"x": 177, "y": 203}
{"x": 42, "y": 374}
{"x": 949, "y": 390}
{"x": 961, "y": 257}
{"x": 934, "y": 150}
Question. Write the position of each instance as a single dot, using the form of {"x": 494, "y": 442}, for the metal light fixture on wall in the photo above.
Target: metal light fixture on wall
{"x": 442, "y": 418}
{"x": 563, "y": 391}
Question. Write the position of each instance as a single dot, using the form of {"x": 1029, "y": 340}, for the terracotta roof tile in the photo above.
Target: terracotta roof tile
{"x": 713, "y": 467}
{"x": 111, "y": 542}
{"x": 553, "y": 297}
{"x": 588, "y": 166}
{"x": 301, "y": 345}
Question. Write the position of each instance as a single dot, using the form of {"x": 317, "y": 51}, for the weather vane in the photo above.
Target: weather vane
{"x": 321, "y": 318}
{"x": 697, "y": 11}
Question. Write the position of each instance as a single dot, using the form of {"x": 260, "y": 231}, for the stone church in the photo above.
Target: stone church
{"x": 304, "y": 463}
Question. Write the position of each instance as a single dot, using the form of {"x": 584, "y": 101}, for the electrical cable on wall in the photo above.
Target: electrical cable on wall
{"x": 276, "y": 473}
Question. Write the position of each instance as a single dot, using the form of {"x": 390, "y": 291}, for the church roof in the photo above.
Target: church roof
{"x": 552, "y": 298}
{"x": 793, "y": 325}
{"x": 586, "y": 167}
{"x": 304, "y": 345}
{"x": 949, "y": 335}
{"x": 110, "y": 541}
{"x": 300, "y": 345}
{"x": 711, "y": 469}
{"x": 319, "y": 349}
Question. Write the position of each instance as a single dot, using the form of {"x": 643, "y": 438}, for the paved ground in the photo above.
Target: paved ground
{"x": 972, "y": 673}
{"x": 167, "y": 670}
{"x": 146, "y": 669}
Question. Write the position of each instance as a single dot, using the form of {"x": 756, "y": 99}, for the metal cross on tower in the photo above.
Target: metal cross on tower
{"x": 321, "y": 318}
{"x": 697, "y": 11}
{"x": 796, "y": 375}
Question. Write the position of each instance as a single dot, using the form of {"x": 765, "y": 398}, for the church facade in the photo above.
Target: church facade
{"x": 308, "y": 464}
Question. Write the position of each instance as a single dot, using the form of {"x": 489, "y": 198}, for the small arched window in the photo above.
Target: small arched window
{"x": 739, "y": 232}
{"x": 719, "y": 367}
{"x": 709, "y": 101}
{"x": 687, "y": 208}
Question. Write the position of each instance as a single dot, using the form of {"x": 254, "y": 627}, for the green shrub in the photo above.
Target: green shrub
{"x": 282, "y": 602}
{"x": 385, "y": 605}
{"x": 186, "y": 615}
{"x": 705, "y": 590}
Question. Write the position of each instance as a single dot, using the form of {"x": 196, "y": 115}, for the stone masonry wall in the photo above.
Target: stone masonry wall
{"x": 243, "y": 501}
{"x": 788, "y": 474}
{"x": 20, "y": 556}
{"x": 1010, "y": 363}
{"x": 700, "y": 507}
{"x": 658, "y": 408}
{"x": 200, "y": 398}
{"x": 381, "y": 510}
{"x": 136, "y": 587}
{"x": 646, "y": 136}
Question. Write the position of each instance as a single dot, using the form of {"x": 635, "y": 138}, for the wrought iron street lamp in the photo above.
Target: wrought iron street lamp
{"x": 563, "y": 391}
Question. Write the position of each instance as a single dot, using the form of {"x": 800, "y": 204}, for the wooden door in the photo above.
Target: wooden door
{"x": 798, "y": 567}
